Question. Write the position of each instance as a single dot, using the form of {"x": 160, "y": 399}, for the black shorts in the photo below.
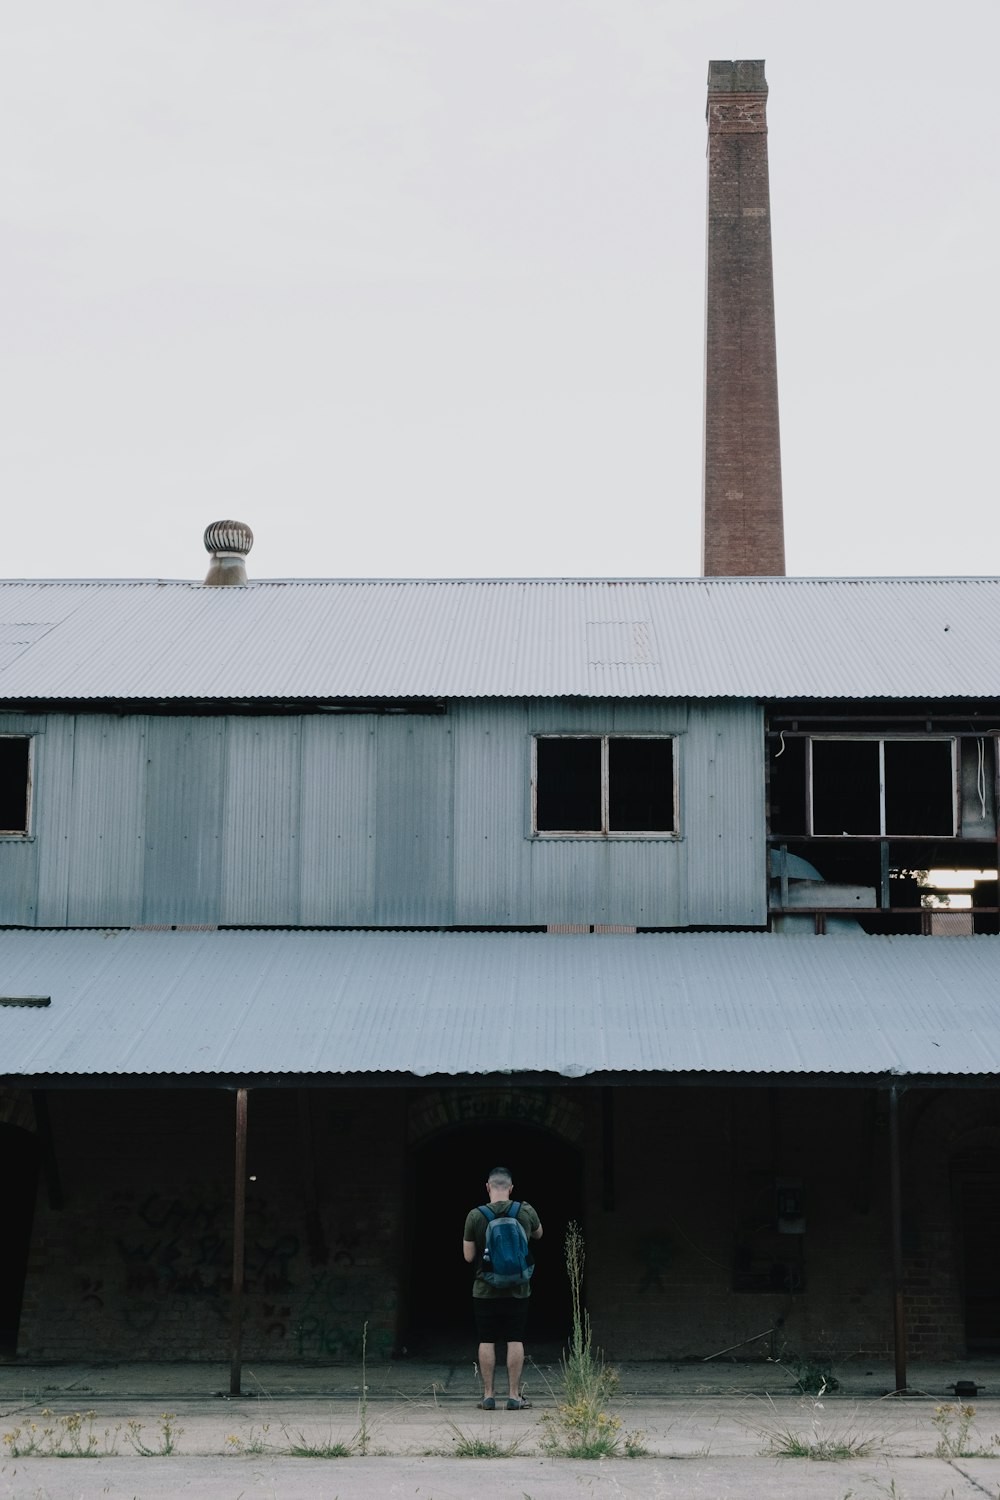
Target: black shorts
{"x": 500, "y": 1320}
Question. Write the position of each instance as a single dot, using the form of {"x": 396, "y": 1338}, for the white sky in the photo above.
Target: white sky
{"x": 415, "y": 287}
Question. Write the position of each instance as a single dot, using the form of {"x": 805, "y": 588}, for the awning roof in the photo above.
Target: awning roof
{"x": 202, "y": 1005}
{"x": 365, "y": 639}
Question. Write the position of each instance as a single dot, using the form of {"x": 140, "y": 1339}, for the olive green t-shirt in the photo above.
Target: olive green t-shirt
{"x": 475, "y": 1229}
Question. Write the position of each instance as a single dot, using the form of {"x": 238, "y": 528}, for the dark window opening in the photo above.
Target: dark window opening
{"x": 919, "y": 787}
{"x": 898, "y": 788}
{"x": 604, "y": 784}
{"x": 845, "y": 786}
{"x": 14, "y": 783}
{"x": 902, "y": 812}
{"x": 568, "y": 785}
{"x": 640, "y": 786}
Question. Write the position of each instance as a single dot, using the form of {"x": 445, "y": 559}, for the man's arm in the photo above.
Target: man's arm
{"x": 536, "y": 1234}
{"x": 469, "y": 1250}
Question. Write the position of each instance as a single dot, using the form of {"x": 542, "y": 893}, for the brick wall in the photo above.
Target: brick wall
{"x": 702, "y": 1185}
{"x": 137, "y": 1263}
{"x": 943, "y": 1135}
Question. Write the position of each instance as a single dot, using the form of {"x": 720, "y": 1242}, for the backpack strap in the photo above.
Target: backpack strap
{"x": 487, "y": 1212}
{"x": 514, "y": 1210}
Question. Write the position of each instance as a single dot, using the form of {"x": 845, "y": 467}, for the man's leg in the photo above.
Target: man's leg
{"x": 516, "y": 1318}
{"x": 488, "y": 1365}
{"x": 515, "y": 1364}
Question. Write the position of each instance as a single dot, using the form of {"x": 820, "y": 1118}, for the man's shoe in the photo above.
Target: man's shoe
{"x": 488, "y": 1403}
{"x": 517, "y": 1403}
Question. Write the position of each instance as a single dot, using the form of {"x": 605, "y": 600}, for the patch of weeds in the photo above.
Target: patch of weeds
{"x": 823, "y": 1446}
{"x": 300, "y": 1448}
{"x": 358, "y": 1446}
{"x": 472, "y": 1445}
{"x": 75, "y": 1436}
{"x": 72, "y": 1436}
{"x": 252, "y": 1445}
{"x": 953, "y": 1424}
{"x": 633, "y": 1445}
{"x": 580, "y": 1427}
{"x": 163, "y": 1445}
{"x": 789, "y": 1444}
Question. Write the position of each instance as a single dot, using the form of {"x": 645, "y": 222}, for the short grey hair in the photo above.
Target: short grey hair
{"x": 500, "y": 1177}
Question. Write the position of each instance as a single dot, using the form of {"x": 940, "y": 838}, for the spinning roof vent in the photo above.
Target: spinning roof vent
{"x": 228, "y": 542}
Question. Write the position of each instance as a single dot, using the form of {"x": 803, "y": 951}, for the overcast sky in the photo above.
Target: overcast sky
{"x": 415, "y": 287}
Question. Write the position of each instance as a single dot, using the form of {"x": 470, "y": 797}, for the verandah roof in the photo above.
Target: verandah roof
{"x": 127, "y": 1006}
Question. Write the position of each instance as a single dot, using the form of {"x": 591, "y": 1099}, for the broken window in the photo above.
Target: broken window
{"x": 599, "y": 785}
{"x": 15, "y": 783}
{"x": 891, "y": 787}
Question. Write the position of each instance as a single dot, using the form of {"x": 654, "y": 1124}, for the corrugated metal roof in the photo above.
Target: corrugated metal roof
{"x": 136, "y": 1003}
{"x": 685, "y": 638}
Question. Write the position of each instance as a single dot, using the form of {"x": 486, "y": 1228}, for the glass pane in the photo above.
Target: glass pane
{"x": 568, "y": 786}
{"x": 919, "y": 787}
{"x": 641, "y": 786}
{"x": 14, "y": 785}
{"x": 845, "y": 796}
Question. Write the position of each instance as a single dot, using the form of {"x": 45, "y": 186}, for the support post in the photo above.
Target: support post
{"x": 896, "y": 1209}
{"x": 239, "y": 1242}
{"x": 608, "y": 1149}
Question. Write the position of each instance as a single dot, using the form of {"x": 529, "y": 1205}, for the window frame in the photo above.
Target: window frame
{"x": 25, "y": 832}
{"x": 604, "y": 833}
{"x": 882, "y": 740}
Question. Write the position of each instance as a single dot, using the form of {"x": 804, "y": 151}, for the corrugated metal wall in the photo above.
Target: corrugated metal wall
{"x": 395, "y": 820}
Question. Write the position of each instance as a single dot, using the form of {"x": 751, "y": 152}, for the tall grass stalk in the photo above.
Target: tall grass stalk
{"x": 580, "y": 1427}
{"x": 362, "y": 1441}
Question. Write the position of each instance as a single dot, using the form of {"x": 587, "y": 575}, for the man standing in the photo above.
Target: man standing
{"x": 501, "y": 1311}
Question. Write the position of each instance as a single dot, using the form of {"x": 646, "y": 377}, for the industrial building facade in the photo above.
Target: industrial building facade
{"x": 668, "y": 951}
{"x": 677, "y": 897}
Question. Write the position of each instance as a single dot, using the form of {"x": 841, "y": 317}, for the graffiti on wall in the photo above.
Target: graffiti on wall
{"x": 439, "y": 1109}
{"x": 329, "y": 1325}
{"x": 171, "y": 1247}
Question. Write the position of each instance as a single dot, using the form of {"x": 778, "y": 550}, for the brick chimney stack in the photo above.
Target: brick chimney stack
{"x": 742, "y": 529}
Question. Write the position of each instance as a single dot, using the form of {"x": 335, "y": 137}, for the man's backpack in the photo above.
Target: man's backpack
{"x": 505, "y": 1259}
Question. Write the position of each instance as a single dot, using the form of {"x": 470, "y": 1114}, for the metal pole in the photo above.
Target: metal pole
{"x": 239, "y": 1238}
{"x": 896, "y": 1206}
{"x": 608, "y": 1148}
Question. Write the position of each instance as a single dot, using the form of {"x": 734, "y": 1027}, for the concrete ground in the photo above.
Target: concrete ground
{"x": 709, "y": 1430}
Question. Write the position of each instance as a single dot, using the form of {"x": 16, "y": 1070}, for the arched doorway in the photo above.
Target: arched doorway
{"x": 447, "y": 1177}
{"x": 19, "y": 1158}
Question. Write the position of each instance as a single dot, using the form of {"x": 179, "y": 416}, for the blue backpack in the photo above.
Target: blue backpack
{"x": 505, "y": 1259}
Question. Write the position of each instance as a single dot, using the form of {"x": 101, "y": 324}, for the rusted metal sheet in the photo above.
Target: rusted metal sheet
{"x": 341, "y": 639}
{"x": 327, "y": 1004}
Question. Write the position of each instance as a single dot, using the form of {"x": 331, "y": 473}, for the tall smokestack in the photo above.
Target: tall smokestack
{"x": 742, "y": 529}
